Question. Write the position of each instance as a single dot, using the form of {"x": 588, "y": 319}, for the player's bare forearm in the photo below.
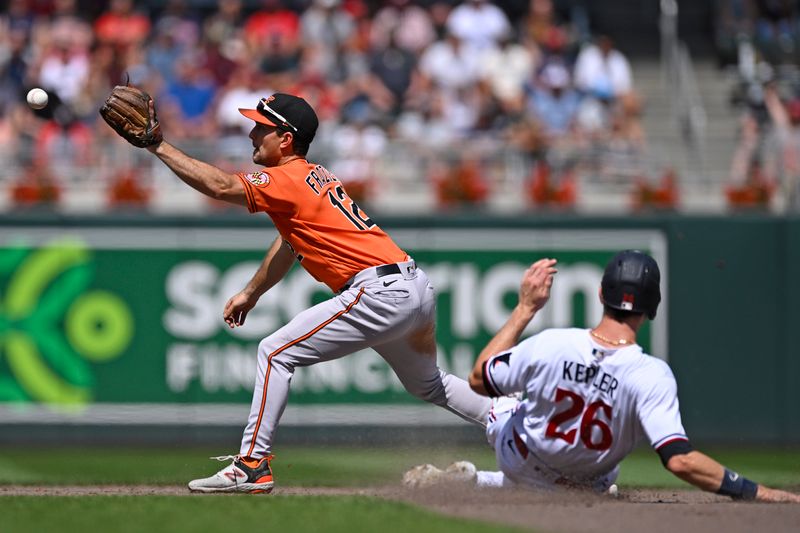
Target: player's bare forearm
{"x": 507, "y": 337}
{"x": 705, "y": 473}
{"x": 201, "y": 176}
{"x": 697, "y": 469}
{"x": 273, "y": 268}
{"x": 533, "y": 295}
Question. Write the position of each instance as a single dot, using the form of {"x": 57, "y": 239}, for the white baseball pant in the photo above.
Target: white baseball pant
{"x": 394, "y": 314}
{"x": 518, "y": 463}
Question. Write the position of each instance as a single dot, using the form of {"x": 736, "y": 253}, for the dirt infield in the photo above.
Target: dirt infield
{"x": 634, "y": 510}
{"x": 652, "y": 511}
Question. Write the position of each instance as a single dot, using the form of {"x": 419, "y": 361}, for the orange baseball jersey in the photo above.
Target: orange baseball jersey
{"x": 332, "y": 238}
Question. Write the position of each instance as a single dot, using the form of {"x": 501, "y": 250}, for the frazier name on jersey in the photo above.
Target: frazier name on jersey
{"x": 319, "y": 177}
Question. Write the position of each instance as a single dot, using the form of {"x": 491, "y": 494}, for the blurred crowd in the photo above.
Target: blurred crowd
{"x": 456, "y": 83}
{"x": 760, "y": 40}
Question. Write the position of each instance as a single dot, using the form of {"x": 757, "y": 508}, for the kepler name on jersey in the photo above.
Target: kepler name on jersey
{"x": 580, "y": 373}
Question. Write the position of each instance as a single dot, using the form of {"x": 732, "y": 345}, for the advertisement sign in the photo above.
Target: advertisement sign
{"x": 124, "y": 325}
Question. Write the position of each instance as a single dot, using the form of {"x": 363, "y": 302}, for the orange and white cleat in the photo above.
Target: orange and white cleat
{"x": 242, "y": 475}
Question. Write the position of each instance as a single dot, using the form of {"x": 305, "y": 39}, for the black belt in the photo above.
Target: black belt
{"x": 380, "y": 271}
{"x": 387, "y": 270}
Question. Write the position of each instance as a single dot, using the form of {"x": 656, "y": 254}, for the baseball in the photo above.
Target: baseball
{"x": 37, "y": 98}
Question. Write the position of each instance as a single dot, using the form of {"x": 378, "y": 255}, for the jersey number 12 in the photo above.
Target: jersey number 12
{"x": 349, "y": 208}
{"x": 589, "y": 421}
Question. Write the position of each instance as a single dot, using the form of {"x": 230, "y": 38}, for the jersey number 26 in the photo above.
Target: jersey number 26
{"x": 588, "y": 421}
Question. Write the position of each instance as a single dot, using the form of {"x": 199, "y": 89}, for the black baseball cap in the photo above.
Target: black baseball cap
{"x": 287, "y": 112}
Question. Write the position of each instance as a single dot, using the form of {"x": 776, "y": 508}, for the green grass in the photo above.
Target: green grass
{"x": 299, "y": 466}
{"x": 175, "y": 514}
{"x": 295, "y": 466}
{"x": 337, "y": 467}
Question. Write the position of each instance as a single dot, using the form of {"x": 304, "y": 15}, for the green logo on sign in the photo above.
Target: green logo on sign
{"x": 52, "y": 325}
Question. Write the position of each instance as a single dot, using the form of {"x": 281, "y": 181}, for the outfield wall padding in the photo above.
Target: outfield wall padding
{"x": 108, "y": 315}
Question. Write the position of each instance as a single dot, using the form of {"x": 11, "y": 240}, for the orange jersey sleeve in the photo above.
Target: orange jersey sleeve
{"x": 330, "y": 235}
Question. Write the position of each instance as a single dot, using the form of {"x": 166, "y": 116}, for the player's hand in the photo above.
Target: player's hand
{"x": 536, "y": 283}
{"x": 766, "y": 494}
{"x": 236, "y": 309}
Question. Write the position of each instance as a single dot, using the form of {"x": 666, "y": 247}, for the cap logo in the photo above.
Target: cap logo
{"x": 259, "y": 179}
{"x": 627, "y": 302}
{"x": 270, "y": 98}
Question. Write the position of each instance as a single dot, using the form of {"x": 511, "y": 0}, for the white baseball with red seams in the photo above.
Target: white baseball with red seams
{"x": 588, "y": 406}
{"x": 37, "y": 98}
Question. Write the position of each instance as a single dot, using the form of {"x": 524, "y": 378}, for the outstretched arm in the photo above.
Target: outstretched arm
{"x": 533, "y": 294}
{"x": 201, "y": 176}
{"x": 705, "y": 473}
{"x": 131, "y": 113}
{"x": 273, "y": 268}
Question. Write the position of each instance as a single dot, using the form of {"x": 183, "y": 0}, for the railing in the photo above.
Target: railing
{"x": 685, "y": 99}
{"x": 108, "y": 174}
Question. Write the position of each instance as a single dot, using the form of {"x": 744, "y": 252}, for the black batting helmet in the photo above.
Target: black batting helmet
{"x": 631, "y": 283}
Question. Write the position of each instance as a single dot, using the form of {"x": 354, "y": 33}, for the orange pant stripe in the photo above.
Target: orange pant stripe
{"x": 279, "y": 350}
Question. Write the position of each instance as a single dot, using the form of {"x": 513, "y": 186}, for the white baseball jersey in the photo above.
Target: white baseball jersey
{"x": 587, "y": 406}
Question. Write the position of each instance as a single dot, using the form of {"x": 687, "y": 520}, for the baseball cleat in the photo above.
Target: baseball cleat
{"x": 427, "y": 475}
{"x": 242, "y": 475}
